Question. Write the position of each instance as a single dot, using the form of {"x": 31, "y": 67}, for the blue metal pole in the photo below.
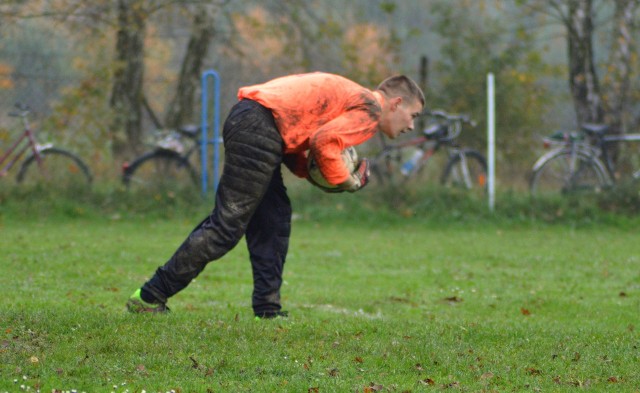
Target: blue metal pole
{"x": 204, "y": 134}
{"x": 204, "y": 119}
{"x": 216, "y": 134}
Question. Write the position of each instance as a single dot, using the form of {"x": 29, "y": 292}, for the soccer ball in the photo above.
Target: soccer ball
{"x": 350, "y": 158}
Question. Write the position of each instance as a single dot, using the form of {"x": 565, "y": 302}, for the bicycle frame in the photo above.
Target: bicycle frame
{"x": 185, "y": 150}
{"x": 54, "y": 166}
{"x": 603, "y": 141}
{"x": 420, "y": 142}
{"x": 417, "y": 142}
{"x": 17, "y": 155}
{"x": 589, "y": 144}
{"x": 392, "y": 161}
{"x": 577, "y": 150}
{"x": 170, "y": 153}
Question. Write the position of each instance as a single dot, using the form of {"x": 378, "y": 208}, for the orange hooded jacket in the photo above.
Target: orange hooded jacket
{"x": 321, "y": 113}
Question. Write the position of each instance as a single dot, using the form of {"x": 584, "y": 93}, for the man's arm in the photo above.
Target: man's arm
{"x": 350, "y": 129}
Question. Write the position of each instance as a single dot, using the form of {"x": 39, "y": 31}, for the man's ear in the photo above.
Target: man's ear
{"x": 395, "y": 103}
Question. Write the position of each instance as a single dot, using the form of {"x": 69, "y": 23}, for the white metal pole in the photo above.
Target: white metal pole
{"x": 491, "y": 130}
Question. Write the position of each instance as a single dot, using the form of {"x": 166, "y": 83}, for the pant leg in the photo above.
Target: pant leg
{"x": 268, "y": 242}
{"x": 253, "y": 151}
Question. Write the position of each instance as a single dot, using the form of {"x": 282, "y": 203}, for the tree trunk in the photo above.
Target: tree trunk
{"x": 583, "y": 79}
{"x": 618, "y": 78}
{"x": 126, "y": 95}
{"x": 181, "y": 108}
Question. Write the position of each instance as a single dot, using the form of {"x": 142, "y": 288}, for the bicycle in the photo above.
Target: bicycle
{"x": 47, "y": 165}
{"x": 167, "y": 167}
{"x": 399, "y": 163}
{"x": 580, "y": 161}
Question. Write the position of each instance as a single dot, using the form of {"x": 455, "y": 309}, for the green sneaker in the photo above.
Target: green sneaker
{"x": 271, "y": 315}
{"x": 136, "y": 305}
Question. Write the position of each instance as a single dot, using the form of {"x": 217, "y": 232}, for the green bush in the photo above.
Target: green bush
{"x": 618, "y": 206}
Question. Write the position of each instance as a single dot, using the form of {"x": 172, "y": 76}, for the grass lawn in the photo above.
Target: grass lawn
{"x": 404, "y": 306}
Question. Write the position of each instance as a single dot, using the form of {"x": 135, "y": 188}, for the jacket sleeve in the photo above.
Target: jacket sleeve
{"x": 327, "y": 143}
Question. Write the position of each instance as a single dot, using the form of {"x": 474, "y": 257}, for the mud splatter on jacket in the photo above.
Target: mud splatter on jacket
{"x": 321, "y": 113}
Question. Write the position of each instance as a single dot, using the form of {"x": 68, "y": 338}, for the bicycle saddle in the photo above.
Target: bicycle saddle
{"x": 190, "y": 131}
{"x": 597, "y": 129}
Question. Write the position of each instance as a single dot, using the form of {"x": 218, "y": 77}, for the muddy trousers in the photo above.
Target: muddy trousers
{"x": 251, "y": 200}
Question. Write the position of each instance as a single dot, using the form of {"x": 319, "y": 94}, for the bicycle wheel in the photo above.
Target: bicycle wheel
{"x": 59, "y": 168}
{"x": 160, "y": 171}
{"x": 466, "y": 169}
{"x": 565, "y": 172}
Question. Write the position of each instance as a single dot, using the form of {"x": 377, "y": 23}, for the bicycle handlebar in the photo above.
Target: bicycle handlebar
{"x": 451, "y": 117}
{"x": 23, "y": 114}
{"x": 24, "y": 110}
{"x": 448, "y": 130}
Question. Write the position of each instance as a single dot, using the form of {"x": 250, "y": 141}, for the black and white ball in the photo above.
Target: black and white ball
{"x": 350, "y": 158}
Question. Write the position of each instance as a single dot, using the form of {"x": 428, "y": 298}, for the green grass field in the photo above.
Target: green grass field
{"x": 376, "y": 304}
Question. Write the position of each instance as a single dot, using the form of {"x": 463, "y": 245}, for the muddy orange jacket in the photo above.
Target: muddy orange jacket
{"x": 321, "y": 113}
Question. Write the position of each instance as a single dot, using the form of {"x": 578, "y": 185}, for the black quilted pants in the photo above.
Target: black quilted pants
{"x": 251, "y": 200}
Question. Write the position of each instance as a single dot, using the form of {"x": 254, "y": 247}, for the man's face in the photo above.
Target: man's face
{"x": 399, "y": 117}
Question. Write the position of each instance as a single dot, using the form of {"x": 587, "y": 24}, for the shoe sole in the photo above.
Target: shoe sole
{"x": 137, "y": 307}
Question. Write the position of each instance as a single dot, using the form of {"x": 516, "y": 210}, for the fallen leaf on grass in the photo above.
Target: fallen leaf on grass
{"x": 533, "y": 371}
{"x": 453, "y": 299}
{"x": 333, "y": 372}
{"x": 622, "y": 294}
{"x": 373, "y": 387}
{"x": 314, "y": 389}
{"x": 613, "y": 379}
{"x": 524, "y": 311}
{"x": 428, "y": 381}
{"x": 358, "y": 359}
{"x": 142, "y": 369}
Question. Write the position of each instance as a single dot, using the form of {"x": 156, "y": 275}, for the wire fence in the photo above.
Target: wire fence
{"x": 41, "y": 90}
{"x": 49, "y": 75}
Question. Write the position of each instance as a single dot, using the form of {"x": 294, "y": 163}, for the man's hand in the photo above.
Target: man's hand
{"x": 358, "y": 179}
{"x": 332, "y": 190}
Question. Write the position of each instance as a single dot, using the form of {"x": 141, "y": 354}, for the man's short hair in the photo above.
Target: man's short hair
{"x": 403, "y": 86}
